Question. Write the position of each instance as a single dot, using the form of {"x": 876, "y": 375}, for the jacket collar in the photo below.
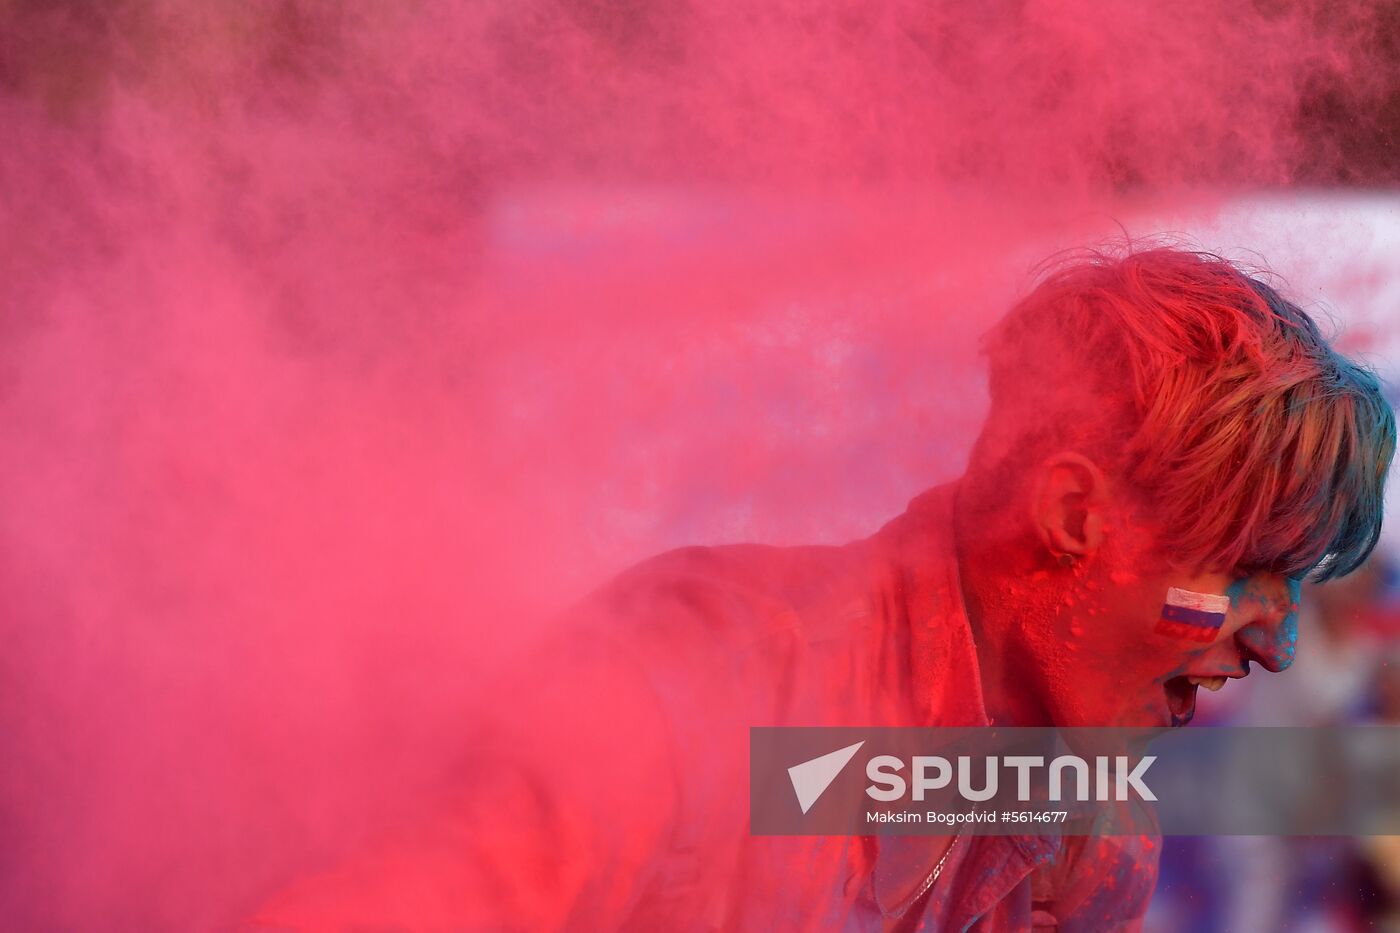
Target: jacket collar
{"x": 946, "y": 690}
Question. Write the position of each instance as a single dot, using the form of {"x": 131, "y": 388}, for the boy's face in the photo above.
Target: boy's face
{"x": 1136, "y": 638}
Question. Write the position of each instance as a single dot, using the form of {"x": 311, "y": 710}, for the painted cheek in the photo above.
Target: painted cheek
{"x": 1247, "y": 601}
{"x": 1236, "y": 592}
{"x": 1191, "y": 616}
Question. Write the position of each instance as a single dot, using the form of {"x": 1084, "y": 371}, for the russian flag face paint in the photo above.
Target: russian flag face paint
{"x": 1192, "y": 616}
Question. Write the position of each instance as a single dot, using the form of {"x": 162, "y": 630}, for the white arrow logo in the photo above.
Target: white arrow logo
{"x": 811, "y": 778}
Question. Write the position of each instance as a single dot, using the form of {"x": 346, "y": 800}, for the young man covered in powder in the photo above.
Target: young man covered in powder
{"x": 1164, "y": 430}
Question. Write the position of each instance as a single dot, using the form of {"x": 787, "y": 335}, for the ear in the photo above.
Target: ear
{"x": 1069, "y": 499}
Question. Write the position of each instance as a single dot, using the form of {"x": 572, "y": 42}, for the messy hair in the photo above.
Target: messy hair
{"x": 1257, "y": 445}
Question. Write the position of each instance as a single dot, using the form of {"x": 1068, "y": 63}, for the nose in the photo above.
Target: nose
{"x": 1269, "y": 603}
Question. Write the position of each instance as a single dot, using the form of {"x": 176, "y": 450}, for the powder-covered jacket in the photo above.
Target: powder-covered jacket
{"x": 609, "y": 789}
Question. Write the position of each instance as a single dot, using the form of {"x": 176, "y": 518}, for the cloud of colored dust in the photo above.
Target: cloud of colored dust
{"x": 343, "y": 342}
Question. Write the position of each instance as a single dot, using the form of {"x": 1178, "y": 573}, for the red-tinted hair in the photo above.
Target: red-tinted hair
{"x": 1258, "y": 446}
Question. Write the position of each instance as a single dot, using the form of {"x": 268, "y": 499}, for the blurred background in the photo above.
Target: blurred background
{"x": 343, "y": 343}
{"x": 1349, "y": 674}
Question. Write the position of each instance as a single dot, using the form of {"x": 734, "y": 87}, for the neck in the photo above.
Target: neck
{"x": 998, "y": 573}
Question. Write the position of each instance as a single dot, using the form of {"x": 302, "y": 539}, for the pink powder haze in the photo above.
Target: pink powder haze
{"x": 344, "y": 342}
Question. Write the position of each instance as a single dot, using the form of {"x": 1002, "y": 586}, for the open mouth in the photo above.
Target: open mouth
{"x": 1181, "y": 699}
{"x": 1181, "y": 695}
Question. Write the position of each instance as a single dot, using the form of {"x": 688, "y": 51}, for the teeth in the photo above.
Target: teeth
{"x": 1210, "y": 683}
